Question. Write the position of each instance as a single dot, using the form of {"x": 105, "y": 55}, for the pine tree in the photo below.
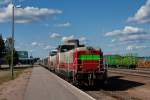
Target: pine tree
{"x": 2, "y": 48}
{"x": 15, "y": 56}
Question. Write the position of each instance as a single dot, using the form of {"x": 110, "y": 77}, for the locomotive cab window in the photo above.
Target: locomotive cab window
{"x": 65, "y": 48}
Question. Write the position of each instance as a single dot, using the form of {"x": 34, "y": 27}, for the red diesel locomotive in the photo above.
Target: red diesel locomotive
{"x": 81, "y": 64}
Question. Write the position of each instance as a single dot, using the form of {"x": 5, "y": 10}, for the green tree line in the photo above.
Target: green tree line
{"x": 5, "y": 54}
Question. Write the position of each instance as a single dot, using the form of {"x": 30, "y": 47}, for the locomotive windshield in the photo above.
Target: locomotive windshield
{"x": 65, "y": 48}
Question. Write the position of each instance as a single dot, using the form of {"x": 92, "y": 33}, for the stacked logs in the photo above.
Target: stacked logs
{"x": 143, "y": 64}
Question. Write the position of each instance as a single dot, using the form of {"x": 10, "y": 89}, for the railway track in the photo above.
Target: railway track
{"x": 141, "y": 73}
{"x": 118, "y": 85}
{"x": 138, "y": 70}
{"x": 107, "y": 95}
{"x": 123, "y": 85}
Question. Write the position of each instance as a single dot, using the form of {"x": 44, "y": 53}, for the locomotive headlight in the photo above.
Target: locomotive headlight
{"x": 80, "y": 67}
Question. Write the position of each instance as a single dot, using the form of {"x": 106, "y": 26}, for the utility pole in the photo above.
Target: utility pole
{"x": 12, "y": 45}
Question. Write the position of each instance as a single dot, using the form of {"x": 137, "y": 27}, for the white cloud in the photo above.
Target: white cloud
{"x": 55, "y": 35}
{"x": 34, "y": 44}
{"x": 113, "y": 40}
{"x": 129, "y": 33}
{"x": 66, "y": 24}
{"x": 82, "y": 39}
{"x": 65, "y": 38}
{"x": 48, "y": 47}
{"x": 133, "y": 47}
{"x": 141, "y": 37}
{"x": 142, "y": 15}
{"x": 27, "y": 14}
{"x": 128, "y": 30}
{"x": 43, "y": 46}
{"x": 5, "y": 2}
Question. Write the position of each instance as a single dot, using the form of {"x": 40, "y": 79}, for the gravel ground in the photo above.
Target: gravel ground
{"x": 123, "y": 87}
{"x": 4, "y": 73}
{"x": 119, "y": 87}
{"x": 14, "y": 89}
{"x": 99, "y": 95}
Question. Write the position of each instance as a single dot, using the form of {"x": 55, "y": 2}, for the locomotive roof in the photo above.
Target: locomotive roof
{"x": 54, "y": 50}
{"x": 64, "y": 48}
{"x": 71, "y": 41}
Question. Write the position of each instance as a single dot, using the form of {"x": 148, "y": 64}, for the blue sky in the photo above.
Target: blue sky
{"x": 115, "y": 26}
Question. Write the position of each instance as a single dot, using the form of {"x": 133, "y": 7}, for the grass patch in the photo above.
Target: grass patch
{"x": 5, "y": 75}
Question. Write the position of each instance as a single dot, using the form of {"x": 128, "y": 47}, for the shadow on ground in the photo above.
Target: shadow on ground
{"x": 115, "y": 83}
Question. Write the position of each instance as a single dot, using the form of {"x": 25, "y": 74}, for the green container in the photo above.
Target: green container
{"x": 121, "y": 61}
